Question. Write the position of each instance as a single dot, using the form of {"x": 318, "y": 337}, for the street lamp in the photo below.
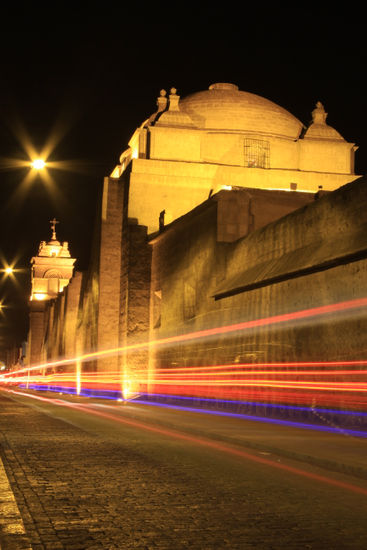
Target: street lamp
{"x": 38, "y": 164}
{"x": 7, "y": 269}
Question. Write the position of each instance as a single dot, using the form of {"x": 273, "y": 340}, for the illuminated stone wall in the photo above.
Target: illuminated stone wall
{"x": 36, "y": 333}
{"x": 109, "y": 271}
{"x": 71, "y": 308}
{"x": 138, "y": 291}
{"x": 60, "y": 322}
{"x": 123, "y": 277}
{"x": 317, "y": 256}
{"x": 177, "y": 187}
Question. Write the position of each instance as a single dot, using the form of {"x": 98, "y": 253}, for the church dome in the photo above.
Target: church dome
{"x": 224, "y": 107}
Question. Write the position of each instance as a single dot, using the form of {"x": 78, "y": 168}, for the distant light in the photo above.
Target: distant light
{"x": 8, "y": 270}
{"x": 38, "y": 164}
{"x": 39, "y": 296}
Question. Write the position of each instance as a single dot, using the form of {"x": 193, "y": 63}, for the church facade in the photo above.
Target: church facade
{"x": 224, "y": 209}
{"x": 222, "y": 138}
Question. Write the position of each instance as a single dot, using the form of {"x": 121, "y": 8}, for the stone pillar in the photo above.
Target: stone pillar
{"x": 136, "y": 311}
{"x": 110, "y": 272}
{"x": 71, "y": 314}
{"x": 36, "y": 332}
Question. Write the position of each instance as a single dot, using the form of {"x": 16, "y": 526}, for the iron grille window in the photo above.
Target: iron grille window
{"x": 257, "y": 153}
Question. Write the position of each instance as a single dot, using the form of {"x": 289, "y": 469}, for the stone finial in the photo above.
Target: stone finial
{"x": 173, "y": 116}
{"x": 162, "y": 101}
{"x": 318, "y": 114}
{"x": 319, "y": 129}
{"x": 173, "y": 100}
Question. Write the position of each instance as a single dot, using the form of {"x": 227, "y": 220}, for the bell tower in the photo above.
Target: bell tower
{"x": 51, "y": 272}
{"x": 52, "y": 268}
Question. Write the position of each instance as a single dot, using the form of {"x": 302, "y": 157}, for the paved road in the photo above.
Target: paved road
{"x": 96, "y": 477}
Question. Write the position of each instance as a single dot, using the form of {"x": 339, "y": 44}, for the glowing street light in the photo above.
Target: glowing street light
{"x": 38, "y": 164}
{"x": 8, "y": 269}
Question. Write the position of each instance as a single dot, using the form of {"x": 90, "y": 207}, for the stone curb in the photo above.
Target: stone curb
{"x": 12, "y": 532}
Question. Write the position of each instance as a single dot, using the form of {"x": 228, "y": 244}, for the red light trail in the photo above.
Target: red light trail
{"x": 336, "y": 383}
{"x": 245, "y": 325}
{"x": 230, "y": 382}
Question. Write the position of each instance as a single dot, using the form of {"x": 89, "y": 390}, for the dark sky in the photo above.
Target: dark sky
{"x": 89, "y": 78}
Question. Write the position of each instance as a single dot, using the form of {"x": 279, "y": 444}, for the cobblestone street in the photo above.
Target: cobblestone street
{"x": 118, "y": 488}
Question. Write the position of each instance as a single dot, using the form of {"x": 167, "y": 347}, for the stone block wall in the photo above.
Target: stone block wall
{"x": 72, "y": 301}
{"x": 109, "y": 272}
{"x": 189, "y": 252}
{"x": 36, "y": 332}
{"x": 242, "y": 211}
{"x": 135, "y": 328}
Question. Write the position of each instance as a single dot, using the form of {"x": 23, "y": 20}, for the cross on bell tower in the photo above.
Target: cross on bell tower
{"x": 53, "y": 228}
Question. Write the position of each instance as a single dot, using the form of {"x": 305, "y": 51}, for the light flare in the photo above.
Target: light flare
{"x": 38, "y": 164}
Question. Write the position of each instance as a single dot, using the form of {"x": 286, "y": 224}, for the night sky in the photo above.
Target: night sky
{"x": 81, "y": 81}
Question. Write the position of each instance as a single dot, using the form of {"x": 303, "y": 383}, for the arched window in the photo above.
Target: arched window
{"x": 53, "y": 274}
